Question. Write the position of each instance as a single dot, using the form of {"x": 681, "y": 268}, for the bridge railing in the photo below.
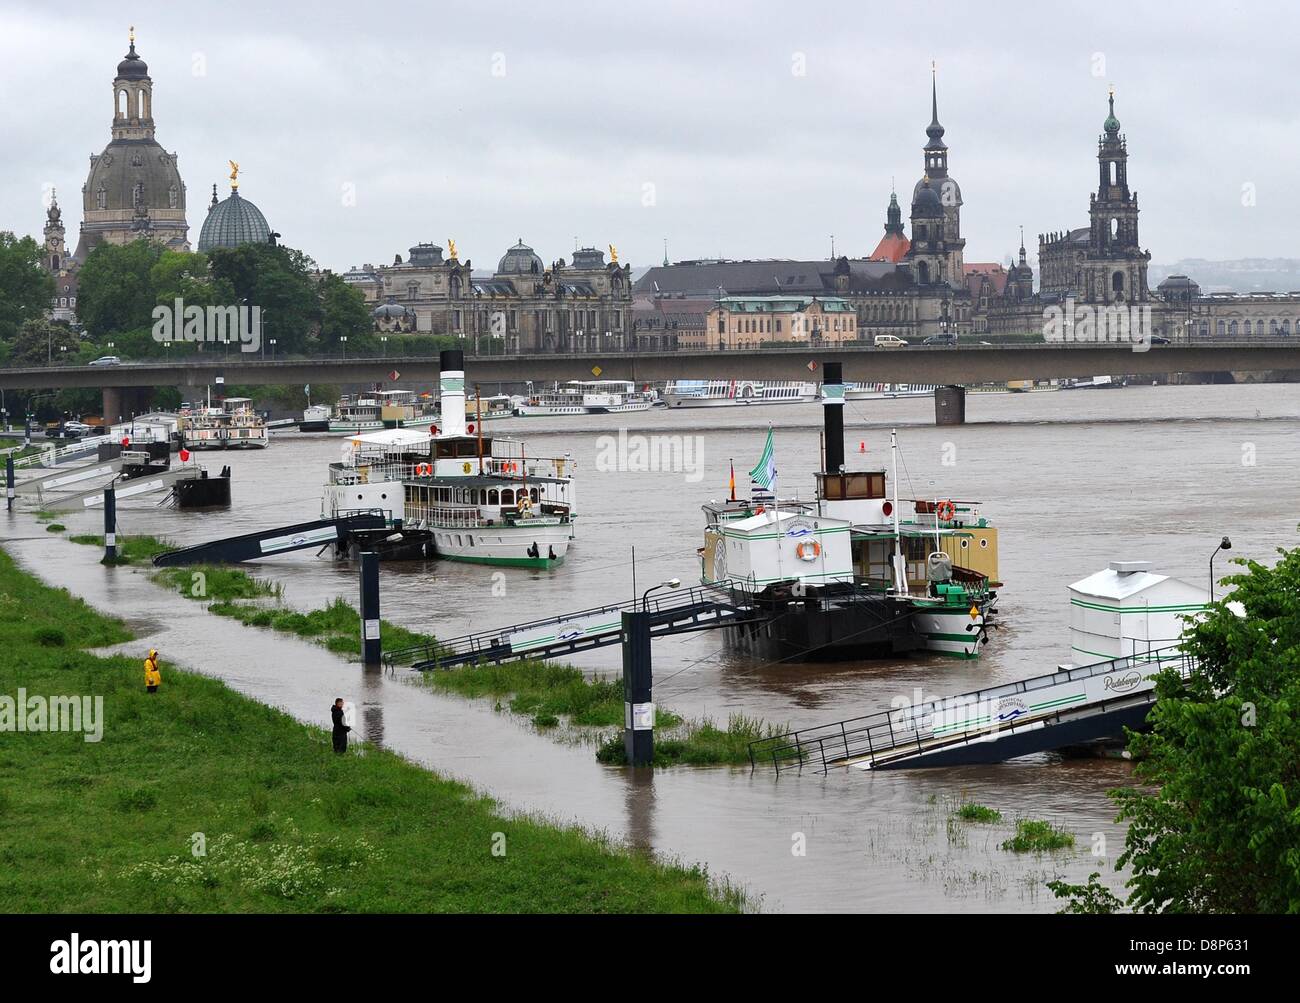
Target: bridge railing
{"x": 886, "y": 735}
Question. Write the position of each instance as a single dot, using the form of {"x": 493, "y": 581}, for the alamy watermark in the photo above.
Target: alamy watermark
{"x": 222, "y": 324}
{"x": 661, "y": 454}
{"x": 1116, "y": 323}
{"x": 57, "y": 713}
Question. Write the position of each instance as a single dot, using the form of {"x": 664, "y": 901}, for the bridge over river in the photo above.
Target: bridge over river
{"x": 863, "y": 363}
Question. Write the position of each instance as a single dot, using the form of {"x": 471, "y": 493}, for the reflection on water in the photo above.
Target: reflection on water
{"x": 1072, "y": 480}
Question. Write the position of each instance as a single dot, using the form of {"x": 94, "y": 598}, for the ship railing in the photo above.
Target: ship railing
{"x": 443, "y": 514}
{"x": 889, "y": 735}
{"x": 369, "y": 473}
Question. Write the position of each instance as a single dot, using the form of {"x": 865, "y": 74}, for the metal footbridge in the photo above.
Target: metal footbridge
{"x": 1069, "y": 707}
{"x": 268, "y": 542}
{"x": 677, "y": 613}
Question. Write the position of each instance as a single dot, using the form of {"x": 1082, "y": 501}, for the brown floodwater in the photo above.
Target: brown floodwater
{"x": 1073, "y": 480}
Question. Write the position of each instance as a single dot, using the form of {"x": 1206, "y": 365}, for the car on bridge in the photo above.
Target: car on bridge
{"x": 106, "y": 360}
{"x": 948, "y": 340}
{"x": 889, "y": 341}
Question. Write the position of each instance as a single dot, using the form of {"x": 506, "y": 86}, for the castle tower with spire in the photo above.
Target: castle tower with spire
{"x": 945, "y": 186}
{"x": 134, "y": 188}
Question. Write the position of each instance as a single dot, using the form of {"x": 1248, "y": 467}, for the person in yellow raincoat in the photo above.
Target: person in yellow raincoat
{"x": 152, "y": 677}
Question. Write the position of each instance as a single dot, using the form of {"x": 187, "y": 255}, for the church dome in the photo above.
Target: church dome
{"x": 232, "y": 222}
{"x": 520, "y": 260}
{"x": 132, "y": 67}
{"x": 134, "y": 172}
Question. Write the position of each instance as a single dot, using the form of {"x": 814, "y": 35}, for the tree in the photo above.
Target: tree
{"x": 26, "y": 289}
{"x": 116, "y": 291}
{"x": 277, "y": 279}
{"x": 343, "y": 311}
{"x": 40, "y": 341}
{"x": 1220, "y": 833}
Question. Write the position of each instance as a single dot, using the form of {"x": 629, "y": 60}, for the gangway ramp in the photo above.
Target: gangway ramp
{"x": 677, "y": 613}
{"x": 1063, "y": 708}
{"x": 268, "y": 542}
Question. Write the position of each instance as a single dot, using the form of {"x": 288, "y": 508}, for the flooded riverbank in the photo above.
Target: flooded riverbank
{"x": 1072, "y": 480}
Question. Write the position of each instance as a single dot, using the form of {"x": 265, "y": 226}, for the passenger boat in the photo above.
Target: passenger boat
{"x": 316, "y": 418}
{"x": 853, "y": 573}
{"x": 887, "y": 391}
{"x": 587, "y": 397}
{"x": 383, "y": 409}
{"x": 232, "y": 425}
{"x": 451, "y": 492}
{"x": 737, "y": 393}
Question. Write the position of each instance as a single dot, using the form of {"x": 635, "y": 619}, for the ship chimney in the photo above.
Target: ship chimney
{"x": 833, "y": 414}
{"x": 451, "y": 389}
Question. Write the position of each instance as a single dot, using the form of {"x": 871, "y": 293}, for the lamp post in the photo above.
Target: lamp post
{"x": 272, "y": 349}
{"x": 343, "y": 343}
{"x": 672, "y": 583}
{"x": 383, "y": 340}
{"x": 1224, "y": 544}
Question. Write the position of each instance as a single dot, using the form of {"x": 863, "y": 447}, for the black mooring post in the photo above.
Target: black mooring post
{"x": 371, "y": 646}
{"x": 638, "y": 709}
{"x": 110, "y": 524}
{"x": 9, "y": 482}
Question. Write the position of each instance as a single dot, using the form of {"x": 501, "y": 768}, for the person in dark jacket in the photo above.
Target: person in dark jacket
{"x": 340, "y": 729}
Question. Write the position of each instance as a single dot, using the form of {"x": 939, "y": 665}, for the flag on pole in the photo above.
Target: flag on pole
{"x": 732, "y": 483}
{"x": 764, "y": 472}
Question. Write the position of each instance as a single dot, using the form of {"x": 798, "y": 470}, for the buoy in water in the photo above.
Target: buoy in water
{"x": 862, "y": 447}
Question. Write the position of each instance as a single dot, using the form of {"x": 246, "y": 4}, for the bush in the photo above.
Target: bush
{"x": 978, "y": 813}
{"x": 50, "y": 637}
{"x": 1034, "y": 836}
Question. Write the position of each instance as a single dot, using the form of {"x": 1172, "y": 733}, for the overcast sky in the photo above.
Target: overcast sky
{"x": 743, "y": 130}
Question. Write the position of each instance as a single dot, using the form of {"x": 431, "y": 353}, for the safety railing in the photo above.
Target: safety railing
{"x": 496, "y": 642}
{"x": 888, "y": 735}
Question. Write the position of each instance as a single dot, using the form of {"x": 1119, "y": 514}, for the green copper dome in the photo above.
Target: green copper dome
{"x": 232, "y": 222}
{"x": 1112, "y": 123}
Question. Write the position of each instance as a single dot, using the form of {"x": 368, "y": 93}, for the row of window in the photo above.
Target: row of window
{"x": 1248, "y": 328}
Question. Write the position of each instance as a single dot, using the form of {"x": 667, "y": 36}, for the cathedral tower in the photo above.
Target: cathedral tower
{"x": 1116, "y": 269}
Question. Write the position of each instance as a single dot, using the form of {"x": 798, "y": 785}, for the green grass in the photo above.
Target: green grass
{"x": 130, "y": 549}
{"x": 696, "y": 743}
{"x": 337, "y": 626}
{"x": 1034, "y": 836}
{"x": 544, "y": 691}
{"x": 56, "y": 527}
{"x": 218, "y": 582}
{"x": 971, "y": 812}
{"x": 284, "y": 824}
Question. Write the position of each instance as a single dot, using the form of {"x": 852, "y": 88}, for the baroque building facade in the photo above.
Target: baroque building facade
{"x": 580, "y": 305}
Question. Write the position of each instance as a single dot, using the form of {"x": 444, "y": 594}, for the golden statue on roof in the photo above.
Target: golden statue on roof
{"x": 451, "y": 249}
{"x": 613, "y": 255}
{"x": 234, "y": 174}
{"x": 131, "y": 34}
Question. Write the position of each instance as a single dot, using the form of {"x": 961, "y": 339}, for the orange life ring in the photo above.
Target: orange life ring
{"x": 423, "y": 470}
{"x": 945, "y": 511}
{"x": 809, "y": 550}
